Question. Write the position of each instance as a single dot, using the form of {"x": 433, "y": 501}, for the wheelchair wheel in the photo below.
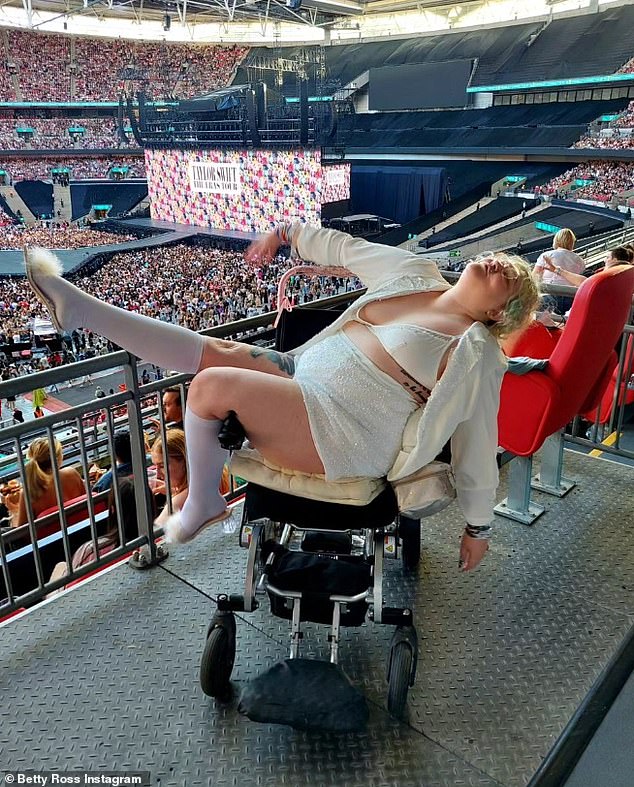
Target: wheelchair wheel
{"x": 409, "y": 531}
{"x": 401, "y": 659}
{"x": 218, "y": 657}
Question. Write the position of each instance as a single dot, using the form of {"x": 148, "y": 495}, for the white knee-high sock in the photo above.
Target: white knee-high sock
{"x": 161, "y": 343}
{"x": 205, "y": 461}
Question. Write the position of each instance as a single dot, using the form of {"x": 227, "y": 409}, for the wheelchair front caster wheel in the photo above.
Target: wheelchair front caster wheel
{"x": 399, "y": 678}
{"x": 217, "y": 660}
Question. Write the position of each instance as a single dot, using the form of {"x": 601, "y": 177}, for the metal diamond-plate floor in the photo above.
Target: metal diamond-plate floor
{"x": 106, "y": 677}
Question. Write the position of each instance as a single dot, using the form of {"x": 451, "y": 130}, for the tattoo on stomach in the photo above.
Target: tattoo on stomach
{"x": 418, "y": 391}
{"x": 284, "y": 361}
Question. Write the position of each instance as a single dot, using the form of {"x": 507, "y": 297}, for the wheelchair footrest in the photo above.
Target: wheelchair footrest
{"x": 305, "y": 694}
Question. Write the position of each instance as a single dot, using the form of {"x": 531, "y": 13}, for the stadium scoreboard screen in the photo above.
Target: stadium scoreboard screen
{"x": 242, "y": 190}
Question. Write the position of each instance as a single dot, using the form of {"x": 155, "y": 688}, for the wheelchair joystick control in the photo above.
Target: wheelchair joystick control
{"x": 232, "y": 434}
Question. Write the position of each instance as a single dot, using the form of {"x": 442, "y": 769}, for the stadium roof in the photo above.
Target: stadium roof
{"x": 193, "y": 12}
{"x": 280, "y": 22}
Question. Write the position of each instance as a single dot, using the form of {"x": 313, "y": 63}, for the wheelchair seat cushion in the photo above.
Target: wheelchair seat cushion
{"x": 262, "y": 502}
{"x": 249, "y": 464}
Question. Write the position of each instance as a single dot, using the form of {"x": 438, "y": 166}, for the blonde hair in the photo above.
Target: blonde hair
{"x": 520, "y": 309}
{"x": 175, "y": 439}
{"x": 564, "y": 239}
{"x": 39, "y": 469}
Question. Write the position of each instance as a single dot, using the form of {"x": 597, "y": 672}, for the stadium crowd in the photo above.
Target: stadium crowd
{"x": 618, "y": 135}
{"x": 40, "y": 169}
{"x": 65, "y": 237}
{"x": 627, "y": 68}
{"x": 193, "y": 286}
{"x": 609, "y": 179}
{"x": 54, "y": 134}
{"x": 99, "y": 69}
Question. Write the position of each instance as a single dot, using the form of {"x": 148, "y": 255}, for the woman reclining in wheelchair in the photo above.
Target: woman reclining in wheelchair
{"x": 339, "y": 404}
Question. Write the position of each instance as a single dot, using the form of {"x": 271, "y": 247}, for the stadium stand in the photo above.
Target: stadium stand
{"x": 99, "y": 67}
{"x": 594, "y": 180}
{"x": 617, "y": 134}
{"x": 40, "y": 168}
{"x": 54, "y": 134}
{"x": 550, "y": 125}
{"x": 122, "y": 197}
{"x": 582, "y": 46}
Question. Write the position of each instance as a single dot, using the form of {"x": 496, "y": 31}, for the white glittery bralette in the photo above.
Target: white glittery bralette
{"x": 418, "y": 350}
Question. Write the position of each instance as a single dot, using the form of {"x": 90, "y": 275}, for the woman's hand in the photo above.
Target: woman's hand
{"x": 547, "y": 262}
{"x": 472, "y": 550}
{"x": 263, "y": 250}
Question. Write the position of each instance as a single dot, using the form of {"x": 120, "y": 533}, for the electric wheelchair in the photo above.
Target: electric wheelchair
{"x": 317, "y": 551}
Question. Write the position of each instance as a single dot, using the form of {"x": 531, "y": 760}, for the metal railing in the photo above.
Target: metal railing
{"x": 25, "y": 549}
{"x": 28, "y": 552}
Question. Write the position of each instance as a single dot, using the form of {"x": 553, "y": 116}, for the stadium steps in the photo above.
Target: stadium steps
{"x": 482, "y": 241}
{"x": 453, "y": 219}
{"x": 62, "y": 204}
{"x": 16, "y": 203}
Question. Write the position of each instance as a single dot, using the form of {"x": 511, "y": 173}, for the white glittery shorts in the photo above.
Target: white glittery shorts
{"x": 357, "y": 413}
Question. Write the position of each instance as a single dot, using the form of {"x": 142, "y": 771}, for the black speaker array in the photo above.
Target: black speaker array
{"x": 252, "y": 117}
{"x": 133, "y": 124}
{"x": 303, "y": 112}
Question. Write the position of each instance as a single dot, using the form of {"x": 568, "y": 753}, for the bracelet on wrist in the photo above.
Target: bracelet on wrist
{"x": 480, "y": 532}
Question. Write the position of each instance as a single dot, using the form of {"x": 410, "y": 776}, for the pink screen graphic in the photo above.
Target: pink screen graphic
{"x": 244, "y": 190}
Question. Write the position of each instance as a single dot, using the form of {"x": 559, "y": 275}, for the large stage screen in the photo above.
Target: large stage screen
{"x": 243, "y": 190}
{"x": 419, "y": 86}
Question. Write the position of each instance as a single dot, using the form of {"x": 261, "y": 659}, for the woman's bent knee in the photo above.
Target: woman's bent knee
{"x": 211, "y": 388}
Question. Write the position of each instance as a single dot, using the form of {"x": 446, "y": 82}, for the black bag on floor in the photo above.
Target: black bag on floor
{"x": 305, "y": 694}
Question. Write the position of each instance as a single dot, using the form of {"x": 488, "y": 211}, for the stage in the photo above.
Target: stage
{"x": 11, "y": 261}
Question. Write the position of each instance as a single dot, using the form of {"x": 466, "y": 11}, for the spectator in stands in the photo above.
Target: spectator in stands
{"x": 358, "y": 419}
{"x": 172, "y": 408}
{"x": 562, "y": 256}
{"x": 40, "y": 486}
{"x": 617, "y": 256}
{"x": 123, "y": 460}
{"x": 176, "y": 469}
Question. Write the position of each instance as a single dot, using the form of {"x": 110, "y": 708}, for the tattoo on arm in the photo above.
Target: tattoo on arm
{"x": 284, "y": 361}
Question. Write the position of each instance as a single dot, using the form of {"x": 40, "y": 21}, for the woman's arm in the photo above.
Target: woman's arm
{"x": 473, "y": 457}
{"x": 575, "y": 279}
{"x": 20, "y": 517}
{"x": 373, "y": 263}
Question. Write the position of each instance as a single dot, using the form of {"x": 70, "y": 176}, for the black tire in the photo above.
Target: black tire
{"x": 399, "y": 679}
{"x": 409, "y": 532}
{"x": 216, "y": 663}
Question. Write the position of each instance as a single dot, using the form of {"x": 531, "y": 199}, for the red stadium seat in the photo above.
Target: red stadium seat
{"x": 77, "y": 515}
{"x": 602, "y": 411}
{"x": 536, "y": 341}
{"x": 536, "y": 405}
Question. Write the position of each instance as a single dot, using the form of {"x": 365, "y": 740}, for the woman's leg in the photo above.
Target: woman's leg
{"x": 272, "y": 411}
{"x": 163, "y": 344}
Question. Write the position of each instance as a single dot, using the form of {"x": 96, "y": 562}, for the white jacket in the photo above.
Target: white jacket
{"x": 464, "y": 403}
